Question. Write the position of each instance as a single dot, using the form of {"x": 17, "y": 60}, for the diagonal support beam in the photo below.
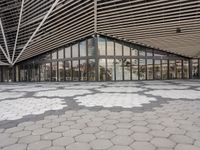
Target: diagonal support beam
{"x": 1, "y": 48}
{"x": 37, "y": 29}
{"x": 16, "y": 38}
{"x": 5, "y": 42}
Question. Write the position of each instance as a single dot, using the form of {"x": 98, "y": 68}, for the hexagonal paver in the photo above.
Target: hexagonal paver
{"x": 122, "y": 140}
{"x": 33, "y": 126}
{"x": 159, "y": 133}
{"x": 7, "y": 141}
{"x": 182, "y": 139}
{"x": 14, "y": 129}
{"x": 21, "y": 133}
{"x": 16, "y": 147}
{"x": 162, "y": 142}
{"x": 110, "y": 121}
{"x": 143, "y": 146}
{"x": 39, "y": 145}
{"x": 123, "y": 131}
{"x": 41, "y": 131}
{"x": 120, "y": 147}
{"x": 186, "y": 147}
{"x": 101, "y": 144}
{"x": 55, "y": 148}
{"x": 78, "y": 146}
{"x": 140, "y": 129}
{"x": 63, "y": 141}
{"x": 51, "y": 125}
{"x": 155, "y": 127}
{"x": 141, "y": 137}
{"x": 105, "y": 135}
{"x": 124, "y": 125}
{"x": 29, "y": 139}
{"x": 107, "y": 127}
{"x": 85, "y": 138}
{"x": 51, "y": 136}
{"x": 90, "y": 130}
{"x": 72, "y": 133}
{"x": 60, "y": 128}
{"x": 174, "y": 130}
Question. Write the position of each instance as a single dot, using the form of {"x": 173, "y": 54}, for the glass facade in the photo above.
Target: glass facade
{"x": 100, "y": 58}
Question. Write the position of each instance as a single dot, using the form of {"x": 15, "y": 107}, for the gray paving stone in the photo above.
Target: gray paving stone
{"x": 78, "y": 146}
{"x": 41, "y": 131}
{"x": 108, "y": 127}
{"x": 159, "y": 133}
{"x": 124, "y": 125}
{"x": 123, "y": 131}
{"x": 186, "y": 147}
{"x": 122, "y": 140}
{"x": 55, "y": 148}
{"x": 51, "y": 136}
{"x": 104, "y": 135}
{"x": 39, "y": 145}
{"x": 72, "y": 133}
{"x": 174, "y": 130}
{"x": 140, "y": 129}
{"x": 7, "y": 141}
{"x": 33, "y": 126}
{"x": 60, "y": 128}
{"x": 141, "y": 137}
{"x": 21, "y": 133}
{"x": 85, "y": 138}
{"x": 120, "y": 147}
{"x": 51, "y": 125}
{"x": 110, "y": 121}
{"x": 101, "y": 144}
{"x": 63, "y": 141}
{"x": 162, "y": 142}
{"x": 24, "y": 124}
{"x": 142, "y": 146}
{"x": 16, "y": 147}
{"x": 90, "y": 130}
{"x": 29, "y": 139}
{"x": 14, "y": 129}
{"x": 182, "y": 139}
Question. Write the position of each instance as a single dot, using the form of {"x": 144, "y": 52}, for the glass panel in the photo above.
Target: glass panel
{"x": 60, "y": 54}
{"x": 127, "y": 69}
{"x": 134, "y": 69}
{"x": 22, "y": 76}
{"x": 60, "y": 71}
{"x": 83, "y": 49}
{"x": 119, "y": 69}
{"x": 75, "y": 69}
{"x": 68, "y": 52}
{"x": 83, "y": 70}
{"x": 37, "y": 72}
{"x": 68, "y": 71}
{"x": 102, "y": 46}
{"x": 17, "y": 73}
{"x": 47, "y": 72}
{"x": 110, "y": 69}
{"x": 142, "y": 69}
{"x": 75, "y": 51}
{"x": 141, "y": 52}
{"x": 172, "y": 69}
{"x": 32, "y": 72}
{"x": 102, "y": 69}
{"x": 179, "y": 69}
{"x": 126, "y": 50}
{"x": 91, "y": 70}
{"x": 149, "y": 52}
{"x": 195, "y": 68}
{"x": 110, "y": 47}
{"x": 42, "y": 72}
{"x": 134, "y": 51}
{"x": 149, "y": 69}
{"x": 157, "y": 69}
{"x": 186, "y": 69}
{"x": 118, "y": 49}
{"x": 91, "y": 47}
{"x": 164, "y": 69}
{"x": 54, "y": 71}
{"x": 54, "y": 55}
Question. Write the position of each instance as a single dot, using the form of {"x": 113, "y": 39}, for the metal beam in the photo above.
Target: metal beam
{"x": 95, "y": 16}
{"x": 16, "y": 38}
{"x": 5, "y": 42}
{"x": 37, "y": 29}
{"x": 4, "y": 53}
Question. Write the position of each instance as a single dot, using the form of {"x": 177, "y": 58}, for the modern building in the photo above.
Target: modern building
{"x": 99, "y": 40}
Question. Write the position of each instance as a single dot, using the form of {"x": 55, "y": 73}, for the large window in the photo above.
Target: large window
{"x": 60, "y": 71}
{"x": 75, "y": 51}
{"x": 60, "y": 54}
{"x": 75, "y": 70}
{"x": 172, "y": 69}
{"x": 83, "y": 52}
{"x": 126, "y": 50}
{"x": 134, "y": 68}
{"x": 185, "y": 69}
{"x": 142, "y": 69}
{"x": 102, "y": 69}
{"x": 110, "y": 70}
{"x": 119, "y": 69}
{"x": 149, "y": 69}
{"x": 54, "y": 71}
{"x": 91, "y": 70}
{"x": 91, "y": 47}
{"x": 157, "y": 69}
{"x": 179, "y": 69}
{"x": 83, "y": 70}
{"x": 110, "y": 47}
{"x": 47, "y": 72}
{"x": 127, "y": 69}
{"x": 195, "y": 69}
{"x": 118, "y": 49}
{"x": 164, "y": 69}
{"x": 68, "y": 52}
{"x": 102, "y": 46}
{"x": 68, "y": 71}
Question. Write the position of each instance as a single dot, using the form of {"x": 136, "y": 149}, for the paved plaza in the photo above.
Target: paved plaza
{"x": 140, "y": 115}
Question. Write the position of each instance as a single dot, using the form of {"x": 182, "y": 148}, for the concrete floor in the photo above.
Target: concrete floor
{"x": 145, "y": 115}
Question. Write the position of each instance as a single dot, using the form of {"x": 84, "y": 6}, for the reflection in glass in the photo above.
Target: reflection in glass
{"x": 54, "y": 71}
{"x": 110, "y": 70}
{"x": 68, "y": 52}
{"x": 157, "y": 69}
{"x": 42, "y": 72}
{"x": 134, "y": 51}
{"x": 178, "y": 69}
{"x": 102, "y": 46}
{"x": 172, "y": 69}
{"x": 91, "y": 47}
{"x": 83, "y": 49}
{"x": 134, "y": 69}
{"x": 110, "y": 47}
{"x": 118, "y": 49}
{"x": 195, "y": 69}
{"x": 47, "y": 72}
{"x": 102, "y": 69}
{"x": 119, "y": 69}
{"x": 149, "y": 52}
{"x": 185, "y": 69}
{"x": 75, "y": 50}
{"x": 164, "y": 69}
{"x": 142, "y": 69}
{"x": 91, "y": 70}
{"x": 68, "y": 71}
{"x": 22, "y": 75}
{"x": 60, "y": 54}
{"x": 141, "y": 52}
{"x": 75, "y": 70}
{"x": 83, "y": 70}
{"x": 126, "y": 50}
{"x": 127, "y": 69}
{"x": 149, "y": 69}
{"x": 60, "y": 71}
{"x": 54, "y": 55}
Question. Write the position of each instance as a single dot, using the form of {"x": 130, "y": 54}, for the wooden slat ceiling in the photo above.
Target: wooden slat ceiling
{"x": 152, "y": 23}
